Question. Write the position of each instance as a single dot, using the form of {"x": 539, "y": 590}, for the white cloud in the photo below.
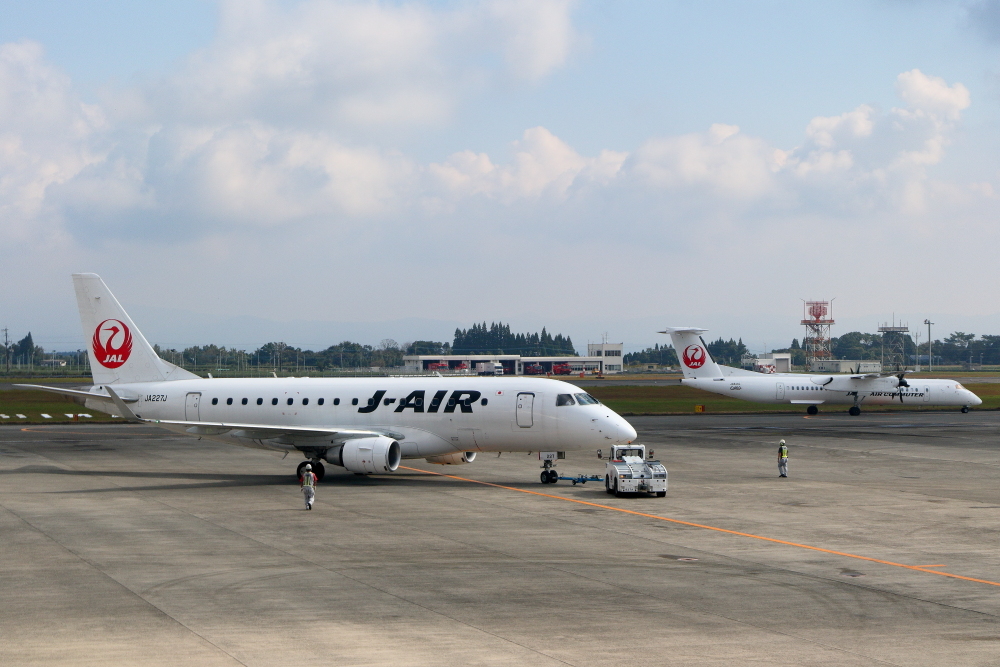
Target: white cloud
{"x": 537, "y": 36}
{"x": 360, "y": 64}
{"x": 721, "y": 160}
{"x": 543, "y": 164}
{"x": 46, "y": 135}
{"x": 931, "y": 94}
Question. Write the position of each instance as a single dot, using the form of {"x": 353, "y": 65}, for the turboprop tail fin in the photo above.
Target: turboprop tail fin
{"x": 118, "y": 351}
{"x": 692, "y": 353}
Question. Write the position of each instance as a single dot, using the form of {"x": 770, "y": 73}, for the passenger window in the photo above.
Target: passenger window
{"x": 564, "y": 399}
{"x": 215, "y": 401}
{"x": 336, "y": 401}
{"x": 305, "y": 401}
{"x": 482, "y": 402}
{"x": 274, "y": 401}
{"x": 320, "y": 401}
{"x": 260, "y": 401}
{"x": 290, "y": 401}
{"x": 244, "y": 401}
{"x": 229, "y": 401}
{"x": 354, "y": 401}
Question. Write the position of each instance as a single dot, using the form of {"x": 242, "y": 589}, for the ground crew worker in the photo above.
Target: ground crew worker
{"x": 782, "y": 459}
{"x": 308, "y": 483}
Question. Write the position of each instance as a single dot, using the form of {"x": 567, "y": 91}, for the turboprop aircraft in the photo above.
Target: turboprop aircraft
{"x": 366, "y": 425}
{"x": 812, "y": 391}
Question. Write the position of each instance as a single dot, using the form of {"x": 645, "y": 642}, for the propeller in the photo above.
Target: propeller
{"x": 902, "y": 383}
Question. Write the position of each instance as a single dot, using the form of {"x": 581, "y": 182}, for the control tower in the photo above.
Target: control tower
{"x": 894, "y": 338}
{"x": 817, "y": 318}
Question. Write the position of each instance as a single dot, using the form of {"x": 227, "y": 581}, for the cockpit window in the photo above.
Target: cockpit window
{"x": 586, "y": 399}
{"x": 565, "y": 399}
{"x": 958, "y": 386}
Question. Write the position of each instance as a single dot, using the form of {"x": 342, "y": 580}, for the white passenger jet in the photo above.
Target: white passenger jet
{"x": 701, "y": 371}
{"x": 366, "y": 425}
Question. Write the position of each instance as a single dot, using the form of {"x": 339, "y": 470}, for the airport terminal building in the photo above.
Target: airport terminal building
{"x": 602, "y": 358}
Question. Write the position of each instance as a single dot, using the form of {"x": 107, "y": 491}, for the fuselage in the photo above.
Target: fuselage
{"x": 433, "y": 416}
{"x": 838, "y": 390}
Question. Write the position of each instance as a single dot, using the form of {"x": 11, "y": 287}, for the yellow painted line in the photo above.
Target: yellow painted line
{"x": 918, "y": 568}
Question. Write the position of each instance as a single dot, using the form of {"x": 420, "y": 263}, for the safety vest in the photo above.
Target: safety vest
{"x": 783, "y": 452}
{"x": 307, "y": 478}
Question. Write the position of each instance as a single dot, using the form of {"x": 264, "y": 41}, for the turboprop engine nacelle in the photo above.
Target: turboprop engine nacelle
{"x": 452, "y": 459}
{"x": 367, "y": 455}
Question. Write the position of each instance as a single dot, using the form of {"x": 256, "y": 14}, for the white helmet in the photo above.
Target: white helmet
{"x": 309, "y": 467}
{"x": 781, "y": 442}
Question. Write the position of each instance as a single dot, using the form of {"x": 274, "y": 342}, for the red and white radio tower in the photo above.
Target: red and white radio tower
{"x": 817, "y": 318}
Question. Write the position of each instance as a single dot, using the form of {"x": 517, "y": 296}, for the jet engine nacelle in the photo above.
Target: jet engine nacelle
{"x": 452, "y": 459}
{"x": 367, "y": 455}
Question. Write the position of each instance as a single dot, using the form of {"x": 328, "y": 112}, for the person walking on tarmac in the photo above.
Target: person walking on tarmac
{"x": 782, "y": 459}
{"x": 308, "y": 483}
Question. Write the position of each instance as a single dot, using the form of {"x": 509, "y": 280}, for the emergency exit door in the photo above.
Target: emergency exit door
{"x": 779, "y": 391}
{"x": 192, "y": 412}
{"x": 525, "y": 406}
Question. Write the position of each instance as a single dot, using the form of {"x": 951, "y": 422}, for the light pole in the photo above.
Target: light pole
{"x": 930, "y": 341}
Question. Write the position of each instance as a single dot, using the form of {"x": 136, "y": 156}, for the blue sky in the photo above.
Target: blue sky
{"x": 364, "y": 170}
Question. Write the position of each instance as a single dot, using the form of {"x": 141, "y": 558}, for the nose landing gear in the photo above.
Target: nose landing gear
{"x": 548, "y": 476}
{"x": 965, "y": 408}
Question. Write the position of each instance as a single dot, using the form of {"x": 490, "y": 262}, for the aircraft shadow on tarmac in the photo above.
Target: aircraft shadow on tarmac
{"x": 207, "y": 480}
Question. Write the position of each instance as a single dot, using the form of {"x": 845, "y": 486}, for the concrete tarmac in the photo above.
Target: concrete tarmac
{"x": 129, "y": 545}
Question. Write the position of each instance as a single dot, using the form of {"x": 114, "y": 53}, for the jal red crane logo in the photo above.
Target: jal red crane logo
{"x": 112, "y": 343}
{"x": 694, "y": 356}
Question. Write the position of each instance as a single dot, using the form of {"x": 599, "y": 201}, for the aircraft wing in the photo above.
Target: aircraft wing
{"x": 75, "y": 393}
{"x": 269, "y": 431}
{"x": 875, "y": 376}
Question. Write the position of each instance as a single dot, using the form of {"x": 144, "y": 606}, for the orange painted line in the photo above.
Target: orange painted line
{"x": 918, "y": 568}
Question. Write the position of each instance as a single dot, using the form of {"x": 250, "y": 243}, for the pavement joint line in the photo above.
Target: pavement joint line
{"x": 156, "y": 609}
{"x": 917, "y": 568}
{"x": 339, "y": 571}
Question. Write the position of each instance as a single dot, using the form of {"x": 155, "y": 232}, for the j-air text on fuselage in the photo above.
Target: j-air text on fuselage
{"x": 366, "y": 425}
{"x": 810, "y": 390}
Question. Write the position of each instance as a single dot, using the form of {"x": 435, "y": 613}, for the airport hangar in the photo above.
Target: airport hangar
{"x": 602, "y": 358}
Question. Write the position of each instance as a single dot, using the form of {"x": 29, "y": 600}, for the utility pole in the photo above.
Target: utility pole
{"x": 930, "y": 353}
{"x": 6, "y": 349}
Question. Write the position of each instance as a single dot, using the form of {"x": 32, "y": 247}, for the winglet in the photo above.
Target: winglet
{"x": 121, "y": 407}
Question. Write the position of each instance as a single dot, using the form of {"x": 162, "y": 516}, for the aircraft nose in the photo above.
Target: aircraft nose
{"x": 974, "y": 400}
{"x": 627, "y": 433}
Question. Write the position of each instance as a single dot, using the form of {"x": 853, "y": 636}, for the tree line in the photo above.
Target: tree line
{"x": 279, "y": 356}
{"x": 498, "y": 339}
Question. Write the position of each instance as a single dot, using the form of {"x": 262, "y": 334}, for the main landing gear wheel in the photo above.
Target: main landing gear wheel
{"x": 965, "y": 408}
{"x": 854, "y": 411}
{"x": 317, "y": 469}
{"x": 812, "y": 409}
{"x": 549, "y": 477}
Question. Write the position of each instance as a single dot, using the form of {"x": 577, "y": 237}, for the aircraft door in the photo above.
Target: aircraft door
{"x": 779, "y": 391}
{"x": 525, "y": 406}
{"x": 927, "y": 394}
{"x": 192, "y": 412}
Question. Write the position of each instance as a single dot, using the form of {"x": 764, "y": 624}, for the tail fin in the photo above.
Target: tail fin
{"x": 118, "y": 351}
{"x": 695, "y": 360}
